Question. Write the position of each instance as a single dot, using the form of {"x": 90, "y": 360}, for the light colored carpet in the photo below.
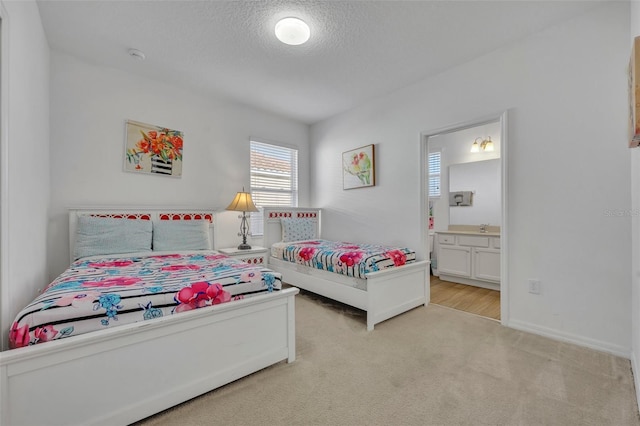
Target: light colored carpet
{"x": 429, "y": 366}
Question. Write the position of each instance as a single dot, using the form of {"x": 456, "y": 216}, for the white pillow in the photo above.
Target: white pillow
{"x": 105, "y": 235}
{"x": 181, "y": 235}
{"x": 298, "y": 229}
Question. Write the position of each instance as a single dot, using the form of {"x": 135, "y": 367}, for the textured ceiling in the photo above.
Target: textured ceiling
{"x": 359, "y": 50}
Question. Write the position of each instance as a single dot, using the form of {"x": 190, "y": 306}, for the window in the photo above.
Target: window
{"x": 434, "y": 174}
{"x": 274, "y": 179}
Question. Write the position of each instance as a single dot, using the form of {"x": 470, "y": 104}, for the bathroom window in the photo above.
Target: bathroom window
{"x": 434, "y": 174}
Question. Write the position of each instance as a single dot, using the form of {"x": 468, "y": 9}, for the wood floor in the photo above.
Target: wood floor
{"x": 479, "y": 301}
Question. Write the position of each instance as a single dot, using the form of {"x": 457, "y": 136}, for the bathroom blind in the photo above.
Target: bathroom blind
{"x": 434, "y": 173}
{"x": 274, "y": 179}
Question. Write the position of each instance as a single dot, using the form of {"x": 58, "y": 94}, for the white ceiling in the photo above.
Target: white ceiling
{"x": 359, "y": 50}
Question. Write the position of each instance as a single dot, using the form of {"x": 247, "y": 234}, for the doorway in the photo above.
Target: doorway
{"x": 464, "y": 220}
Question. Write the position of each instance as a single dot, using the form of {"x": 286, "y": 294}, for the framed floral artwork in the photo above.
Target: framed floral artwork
{"x": 358, "y": 168}
{"x": 153, "y": 149}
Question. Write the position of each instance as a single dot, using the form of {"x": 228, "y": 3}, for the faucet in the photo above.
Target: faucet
{"x": 483, "y": 227}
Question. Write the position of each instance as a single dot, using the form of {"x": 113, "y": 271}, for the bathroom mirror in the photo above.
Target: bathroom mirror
{"x": 481, "y": 180}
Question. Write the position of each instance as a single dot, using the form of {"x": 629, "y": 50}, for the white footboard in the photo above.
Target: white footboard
{"x": 125, "y": 374}
{"x": 394, "y": 291}
{"x": 389, "y": 292}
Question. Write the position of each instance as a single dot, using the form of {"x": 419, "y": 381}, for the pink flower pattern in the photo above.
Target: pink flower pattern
{"x": 75, "y": 299}
{"x": 113, "y": 282}
{"x": 306, "y": 253}
{"x": 199, "y": 295}
{"x": 45, "y": 334}
{"x": 350, "y": 258}
{"x": 251, "y": 276}
{"x": 114, "y": 264}
{"x": 180, "y": 267}
{"x": 398, "y": 257}
{"x": 19, "y": 336}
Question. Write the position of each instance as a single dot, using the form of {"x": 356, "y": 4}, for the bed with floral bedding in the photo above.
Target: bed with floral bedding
{"x": 384, "y": 281}
{"x": 147, "y": 315}
{"x": 351, "y": 259}
{"x": 106, "y": 291}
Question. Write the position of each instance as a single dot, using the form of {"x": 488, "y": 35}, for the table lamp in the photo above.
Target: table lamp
{"x": 243, "y": 203}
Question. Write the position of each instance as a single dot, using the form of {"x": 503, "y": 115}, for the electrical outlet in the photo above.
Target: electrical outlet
{"x": 534, "y": 286}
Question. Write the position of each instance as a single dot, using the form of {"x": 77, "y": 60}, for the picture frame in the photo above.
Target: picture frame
{"x": 634, "y": 95}
{"x": 151, "y": 149}
{"x": 358, "y": 167}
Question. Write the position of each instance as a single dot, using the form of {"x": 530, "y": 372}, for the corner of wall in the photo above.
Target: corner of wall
{"x": 634, "y": 21}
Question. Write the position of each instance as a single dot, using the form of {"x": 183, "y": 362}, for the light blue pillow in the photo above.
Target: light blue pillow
{"x": 105, "y": 235}
{"x": 298, "y": 229}
{"x": 181, "y": 235}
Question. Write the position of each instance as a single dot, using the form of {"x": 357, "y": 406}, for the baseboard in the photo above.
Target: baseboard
{"x": 636, "y": 376}
{"x": 570, "y": 338}
{"x": 470, "y": 281}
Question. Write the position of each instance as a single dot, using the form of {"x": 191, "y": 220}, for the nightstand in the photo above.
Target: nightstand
{"x": 255, "y": 255}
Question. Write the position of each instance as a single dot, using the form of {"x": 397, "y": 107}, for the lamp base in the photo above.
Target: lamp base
{"x": 244, "y": 246}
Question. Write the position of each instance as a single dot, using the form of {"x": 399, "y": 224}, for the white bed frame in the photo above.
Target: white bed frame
{"x": 111, "y": 376}
{"x": 390, "y": 292}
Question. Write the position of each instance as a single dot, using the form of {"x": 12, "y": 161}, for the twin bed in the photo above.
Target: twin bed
{"x": 232, "y": 318}
{"x": 384, "y": 284}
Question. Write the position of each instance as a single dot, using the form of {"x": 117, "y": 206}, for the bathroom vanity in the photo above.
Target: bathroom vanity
{"x": 468, "y": 256}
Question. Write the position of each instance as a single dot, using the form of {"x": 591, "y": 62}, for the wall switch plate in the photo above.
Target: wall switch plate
{"x": 534, "y": 286}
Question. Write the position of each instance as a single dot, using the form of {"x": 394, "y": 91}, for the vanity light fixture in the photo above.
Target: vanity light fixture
{"x": 292, "y": 31}
{"x": 484, "y": 145}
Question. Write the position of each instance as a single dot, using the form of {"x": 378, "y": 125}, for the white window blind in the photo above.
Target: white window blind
{"x": 434, "y": 173}
{"x": 274, "y": 179}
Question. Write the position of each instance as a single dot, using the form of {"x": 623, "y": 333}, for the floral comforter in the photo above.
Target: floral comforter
{"x": 105, "y": 291}
{"x": 354, "y": 260}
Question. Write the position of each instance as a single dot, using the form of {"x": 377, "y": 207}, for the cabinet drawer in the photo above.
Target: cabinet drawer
{"x": 446, "y": 239}
{"x": 473, "y": 241}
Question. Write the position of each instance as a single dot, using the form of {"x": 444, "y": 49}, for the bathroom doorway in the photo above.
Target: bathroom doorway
{"x": 464, "y": 221}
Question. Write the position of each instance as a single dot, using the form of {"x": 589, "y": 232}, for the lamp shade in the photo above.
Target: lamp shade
{"x": 488, "y": 144}
{"x": 242, "y": 203}
{"x": 475, "y": 147}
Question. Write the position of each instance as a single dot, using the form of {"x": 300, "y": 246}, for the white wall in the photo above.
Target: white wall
{"x": 635, "y": 216}
{"x": 26, "y": 165}
{"x": 566, "y": 90}
{"x": 89, "y": 107}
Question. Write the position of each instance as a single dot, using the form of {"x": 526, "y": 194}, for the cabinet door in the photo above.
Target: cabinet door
{"x": 486, "y": 263}
{"x": 454, "y": 260}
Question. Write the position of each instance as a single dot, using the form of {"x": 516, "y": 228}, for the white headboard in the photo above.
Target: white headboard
{"x": 273, "y": 228}
{"x": 144, "y": 213}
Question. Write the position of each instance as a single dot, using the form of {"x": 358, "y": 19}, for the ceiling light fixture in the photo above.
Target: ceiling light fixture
{"x": 138, "y": 54}
{"x": 292, "y": 31}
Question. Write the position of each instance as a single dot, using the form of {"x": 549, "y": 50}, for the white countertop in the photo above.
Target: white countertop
{"x": 488, "y": 234}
